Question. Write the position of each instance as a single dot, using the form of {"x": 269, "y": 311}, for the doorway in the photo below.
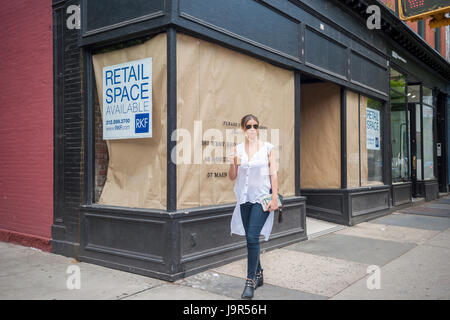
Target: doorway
{"x": 441, "y": 142}
{"x": 415, "y": 140}
{"x": 422, "y": 119}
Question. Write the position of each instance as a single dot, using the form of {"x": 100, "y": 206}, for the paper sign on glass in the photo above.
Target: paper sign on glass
{"x": 127, "y": 100}
{"x": 373, "y": 129}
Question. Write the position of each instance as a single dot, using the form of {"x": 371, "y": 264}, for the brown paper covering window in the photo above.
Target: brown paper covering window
{"x": 352, "y": 139}
{"x": 218, "y": 86}
{"x": 357, "y": 144}
{"x": 137, "y": 167}
{"x": 367, "y": 180}
{"x": 320, "y": 136}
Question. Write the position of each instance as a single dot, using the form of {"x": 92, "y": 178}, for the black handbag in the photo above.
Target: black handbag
{"x": 280, "y": 209}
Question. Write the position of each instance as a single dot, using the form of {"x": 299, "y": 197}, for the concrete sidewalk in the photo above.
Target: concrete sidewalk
{"x": 409, "y": 249}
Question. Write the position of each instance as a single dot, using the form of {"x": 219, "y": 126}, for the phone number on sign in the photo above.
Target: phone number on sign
{"x": 118, "y": 121}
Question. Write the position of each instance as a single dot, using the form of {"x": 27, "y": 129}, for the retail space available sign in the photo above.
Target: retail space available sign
{"x": 127, "y": 100}
{"x": 373, "y": 129}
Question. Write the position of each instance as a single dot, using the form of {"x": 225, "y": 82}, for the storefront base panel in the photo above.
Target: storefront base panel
{"x": 347, "y": 206}
{"x": 225, "y": 255}
{"x": 173, "y": 246}
{"x": 216, "y": 247}
{"x": 61, "y": 245}
{"x": 427, "y": 189}
{"x": 401, "y": 194}
{"x": 65, "y": 248}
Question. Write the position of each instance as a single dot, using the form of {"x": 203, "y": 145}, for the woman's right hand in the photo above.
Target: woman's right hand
{"x": 233, "y": 158}
{"x": 230, "y": 158}
{"x": 232, "y": 171}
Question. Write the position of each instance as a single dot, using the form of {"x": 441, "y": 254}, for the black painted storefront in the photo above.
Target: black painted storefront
{"x": 420, "y": 76}
{"x": 320, "y": 39}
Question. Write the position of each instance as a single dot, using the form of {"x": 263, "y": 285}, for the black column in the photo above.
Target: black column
{"x": 69, "y": 120}
{"x": 387, "y": 147}
{"x": 171, "y": 118}
{"x": 343, "y": 137}
{"x": 297, "y": 132}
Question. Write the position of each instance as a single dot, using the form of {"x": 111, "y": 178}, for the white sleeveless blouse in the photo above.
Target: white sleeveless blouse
{"x": 252, "y": 182}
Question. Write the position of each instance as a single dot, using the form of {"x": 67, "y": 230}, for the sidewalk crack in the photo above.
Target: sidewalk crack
{"x": 138, "y": 292}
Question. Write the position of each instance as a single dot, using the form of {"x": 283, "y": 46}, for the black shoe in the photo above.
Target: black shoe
{"x": 259, "y": 279}
{"x": 249, "y": 289}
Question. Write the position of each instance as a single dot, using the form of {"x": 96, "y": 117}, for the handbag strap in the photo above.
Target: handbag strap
{"x": 280, "y": 209}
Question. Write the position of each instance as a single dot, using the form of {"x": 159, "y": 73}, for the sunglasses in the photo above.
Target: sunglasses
{"x": 249, "y": 126}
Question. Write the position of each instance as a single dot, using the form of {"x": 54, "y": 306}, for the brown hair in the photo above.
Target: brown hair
{"x": 246, "y": 118}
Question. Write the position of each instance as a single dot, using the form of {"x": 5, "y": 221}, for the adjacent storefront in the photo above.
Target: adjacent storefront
{"x": 418, "y": 139}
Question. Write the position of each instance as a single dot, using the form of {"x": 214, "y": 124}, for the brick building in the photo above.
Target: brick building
{"x": 437, "y": 38}
{"x": 26, "y": 117}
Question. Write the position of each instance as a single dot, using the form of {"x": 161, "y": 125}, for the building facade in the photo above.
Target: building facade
{"x": 358, "y": 115}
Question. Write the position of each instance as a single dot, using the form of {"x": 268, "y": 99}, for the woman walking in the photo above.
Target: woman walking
{"x": 253, "y": 166}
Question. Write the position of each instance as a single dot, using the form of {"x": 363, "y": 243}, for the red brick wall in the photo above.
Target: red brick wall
{"x": 390, "y": 4}
{"x": 26, "y": 122}
{"x": 429, "y": 33}
{"x": 412, "y": 25}
{"x": 443, "y": 42}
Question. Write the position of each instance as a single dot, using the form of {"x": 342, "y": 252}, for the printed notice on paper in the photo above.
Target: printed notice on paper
{"x": 373, "y": 129}
{"x": 127, "y": 100}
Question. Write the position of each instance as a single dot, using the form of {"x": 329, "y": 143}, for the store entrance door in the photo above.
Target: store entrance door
{"x": 441, "y": 142}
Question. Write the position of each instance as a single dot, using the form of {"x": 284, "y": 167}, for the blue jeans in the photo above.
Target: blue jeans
{"x": 253, "y": 219}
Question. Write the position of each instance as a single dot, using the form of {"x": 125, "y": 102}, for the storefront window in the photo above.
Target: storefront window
{"x": 131, "y": 171}
{"x": 399, "y": 128}
{"x": 424, "y": 133}
{"x": 418, "y": 143}
{"x": 370, "y": 133}
{"x": 416, "y": 135}
{"x": 364, "y": 141}
{"x": 427, "y": 96}
{"x": 216, "y": 87}
{"x": 428, "y": 138}
{"x": 414, "y": 93}
{"x": 353, "y": 172}
{"x": 320, "y": 135}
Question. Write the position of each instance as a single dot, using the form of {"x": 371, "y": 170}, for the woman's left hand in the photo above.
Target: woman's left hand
{"x": 273, "y": 204}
